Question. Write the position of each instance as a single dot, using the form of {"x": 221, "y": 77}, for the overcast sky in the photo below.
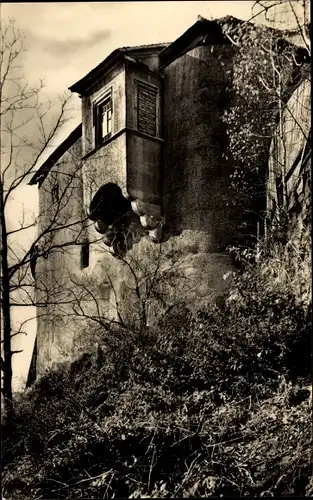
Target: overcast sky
{"x": 66, "y": 40}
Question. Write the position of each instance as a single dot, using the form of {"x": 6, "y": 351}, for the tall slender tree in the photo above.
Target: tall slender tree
{"x": 29, "y": 126}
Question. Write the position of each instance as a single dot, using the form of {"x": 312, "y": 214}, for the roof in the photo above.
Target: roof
{"x": 45, "y": 168}
{"x": 112, "y": 58}
{"x": 167, "y": 51}
{"x": 214, "y": 32}
{"x": 152, "y": 46}
{"x": 204, "y": 30}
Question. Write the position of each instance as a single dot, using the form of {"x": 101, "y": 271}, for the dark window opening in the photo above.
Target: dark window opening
{"x": 280, "y": 191}
{"x": 147, "y": 109}
{"x": 103, "y": 114}
{"x": 55, "y": 193}
{"x": 85, "y": 255}
{"x": 109, "y": 205}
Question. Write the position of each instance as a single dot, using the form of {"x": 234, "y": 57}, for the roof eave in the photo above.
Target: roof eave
{"x": 80, "y": 86}
{"x": 130, "y": 60}
{"x": 193, "y": 37}
{"x": 45, "y": 168}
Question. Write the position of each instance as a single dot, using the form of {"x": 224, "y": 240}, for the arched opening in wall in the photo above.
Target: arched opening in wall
{"x": 109, "y": 207}
{"x": 114, "y": 218}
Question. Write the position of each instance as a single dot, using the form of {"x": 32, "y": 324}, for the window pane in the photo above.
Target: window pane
{"x": 104, "y": 126}
{"x": 104, "y": 122}
{"x": 109, "y": 121}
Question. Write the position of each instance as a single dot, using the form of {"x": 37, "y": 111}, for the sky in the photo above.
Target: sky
{"x": 66, "y": 40}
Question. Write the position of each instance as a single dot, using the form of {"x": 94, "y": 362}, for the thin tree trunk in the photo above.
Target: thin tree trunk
{"x": 6, "y": 314}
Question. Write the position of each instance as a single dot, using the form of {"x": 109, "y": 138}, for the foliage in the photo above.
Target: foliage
{"x": 273, "y": 273}
{"x": 215, "y": 402}
{"x": 266, "y": 71}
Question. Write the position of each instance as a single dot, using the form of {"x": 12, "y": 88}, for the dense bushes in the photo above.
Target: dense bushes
{"x": 215, "y": 402}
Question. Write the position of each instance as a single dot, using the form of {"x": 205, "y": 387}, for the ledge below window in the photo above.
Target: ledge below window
{"x": 118, "y": 134}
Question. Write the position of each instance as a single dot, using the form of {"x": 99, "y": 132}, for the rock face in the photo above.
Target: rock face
{"x": 150, "y": 203}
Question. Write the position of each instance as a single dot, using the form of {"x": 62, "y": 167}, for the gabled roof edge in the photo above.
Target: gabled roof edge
{"x": 45, "y": 168}
{"x": 192, "y": 37}
{"x": 112, "y": 58}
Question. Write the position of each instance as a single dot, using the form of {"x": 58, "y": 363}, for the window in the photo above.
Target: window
{"x": 280, "y": 191}
{"x": 103, "y": 120}
{"x": 55, "y": 193}
{"x": 146, "y": 95}
{"x": 85, "y": 255}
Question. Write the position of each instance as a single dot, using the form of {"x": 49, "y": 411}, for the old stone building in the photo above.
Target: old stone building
{"x": 142, "y": 188}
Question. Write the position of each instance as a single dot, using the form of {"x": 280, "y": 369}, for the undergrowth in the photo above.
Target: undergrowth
{"x": 211, "y": 403}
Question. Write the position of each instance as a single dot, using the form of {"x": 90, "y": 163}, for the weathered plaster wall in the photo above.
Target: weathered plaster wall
{"x": 197, "y": 197}
{"x": 289, "y": 166}
{"x": 106, "y": 164}
{"x": 144, "y": 168}
{"x": 196, "y": 184}
{"x": 52, "y": 273}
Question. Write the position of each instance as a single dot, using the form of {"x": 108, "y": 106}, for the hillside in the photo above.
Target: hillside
{"x": 213, "y": 403}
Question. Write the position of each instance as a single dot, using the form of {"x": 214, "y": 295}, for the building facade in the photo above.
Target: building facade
{"x": 289, "y": 201}
{"x": 142, "y": 192}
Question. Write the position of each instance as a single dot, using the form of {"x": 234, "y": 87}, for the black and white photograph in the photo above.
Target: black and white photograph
{"x": 156, "y": 254}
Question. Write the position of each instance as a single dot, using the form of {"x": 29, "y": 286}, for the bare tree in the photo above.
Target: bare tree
{"x": 109, "y": 302}
{"x": 291, "y": 15}
{"x": 288, "y": 180}
{"x": 152, "y": 284}
{"x": 274, "y": 64}
{"x": 29, "y": 126}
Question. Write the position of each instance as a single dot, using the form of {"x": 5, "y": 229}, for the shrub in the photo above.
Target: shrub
{"x": 210, "y": 403}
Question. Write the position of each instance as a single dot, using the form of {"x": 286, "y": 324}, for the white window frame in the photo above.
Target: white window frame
{"x": 99, "y": 117}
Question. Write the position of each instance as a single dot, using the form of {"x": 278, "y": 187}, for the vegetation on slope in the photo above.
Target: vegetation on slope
{"x": 216, "y": 402}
